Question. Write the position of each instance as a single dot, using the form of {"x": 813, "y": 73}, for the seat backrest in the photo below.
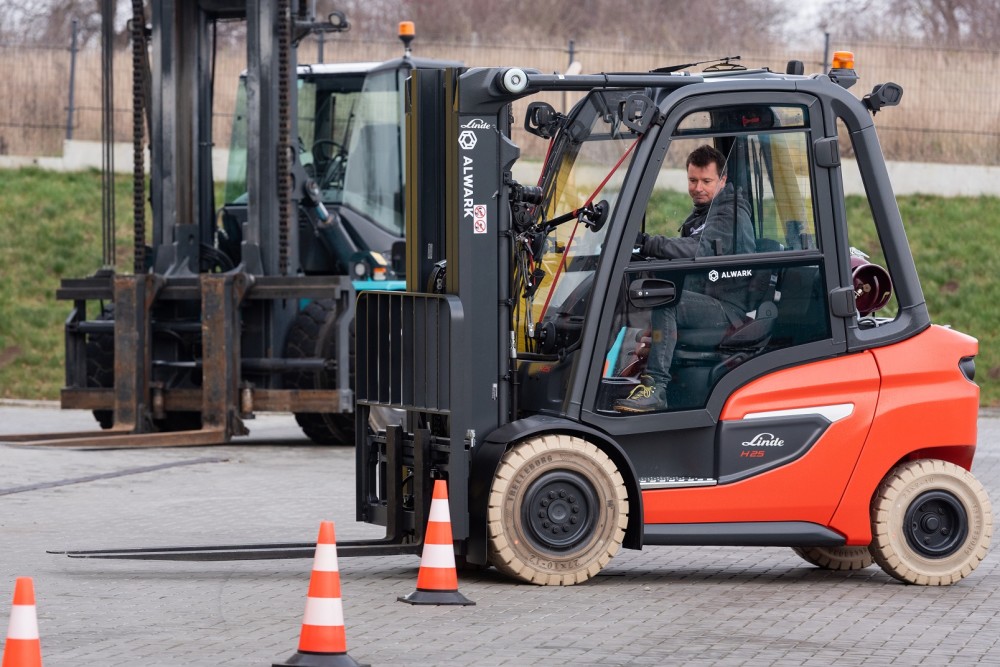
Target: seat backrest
{"x": 762, "y": 284}
{"x": 801, "y": 307}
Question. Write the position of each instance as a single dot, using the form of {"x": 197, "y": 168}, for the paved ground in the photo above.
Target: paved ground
{"x": 660, "y": 606}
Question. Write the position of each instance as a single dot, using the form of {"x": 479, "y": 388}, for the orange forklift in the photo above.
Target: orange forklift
{"x": 828, "y": 414}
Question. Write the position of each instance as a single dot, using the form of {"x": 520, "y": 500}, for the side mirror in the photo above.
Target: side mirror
{"x": 542, "y": 120}
{"x": 883, "y": 95}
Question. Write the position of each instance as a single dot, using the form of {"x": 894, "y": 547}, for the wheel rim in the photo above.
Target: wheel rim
{"x": 936, "y": 524}
{"x": 559, "y": 511}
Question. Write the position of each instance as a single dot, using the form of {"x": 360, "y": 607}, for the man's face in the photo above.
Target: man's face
{"x": 704, "y": 183}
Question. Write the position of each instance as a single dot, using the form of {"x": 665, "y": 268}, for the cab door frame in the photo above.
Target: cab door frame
{"x": 698, "y": 425}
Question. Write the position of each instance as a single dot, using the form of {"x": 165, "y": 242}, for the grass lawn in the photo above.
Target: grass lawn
{"x": 50, "y": 229}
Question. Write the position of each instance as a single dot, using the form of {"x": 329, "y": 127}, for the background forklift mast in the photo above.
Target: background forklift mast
{"x": 246, "y": 308}
{"x": 774, "y": 434}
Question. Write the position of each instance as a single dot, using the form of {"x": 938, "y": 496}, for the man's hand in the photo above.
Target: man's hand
{"x": 640, "y": 242}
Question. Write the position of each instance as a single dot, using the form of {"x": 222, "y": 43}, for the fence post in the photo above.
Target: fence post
{"x": 72, "y": 79}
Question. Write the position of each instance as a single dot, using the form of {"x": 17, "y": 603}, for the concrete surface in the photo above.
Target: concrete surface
{"x": 693, "y": 605}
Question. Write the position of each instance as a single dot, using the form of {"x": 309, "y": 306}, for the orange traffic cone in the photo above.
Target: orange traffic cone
{"x": 437, "y": 581}
{"x": 323, "y": 642}
{"x": 23, "y": 647}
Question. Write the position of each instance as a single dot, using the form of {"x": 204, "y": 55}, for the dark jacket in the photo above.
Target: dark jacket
{"x": 720, "y": 227}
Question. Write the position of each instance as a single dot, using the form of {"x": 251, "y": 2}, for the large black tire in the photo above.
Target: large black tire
{"x": 557, "y": 513}
{"x": 836, "y": 558}
{"x": 314, "y": 334}
{"x": 931, "y": 523}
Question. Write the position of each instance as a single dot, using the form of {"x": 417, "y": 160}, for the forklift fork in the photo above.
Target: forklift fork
{"x": 136, "y": 400}
{"x": 402, "y": 536}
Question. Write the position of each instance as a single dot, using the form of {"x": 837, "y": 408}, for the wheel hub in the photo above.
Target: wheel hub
{"x": 559, "y": 510}
{"x": 936, "y": 524}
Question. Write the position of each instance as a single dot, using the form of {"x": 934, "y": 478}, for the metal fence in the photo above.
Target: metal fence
{"x": 950, "y": 111}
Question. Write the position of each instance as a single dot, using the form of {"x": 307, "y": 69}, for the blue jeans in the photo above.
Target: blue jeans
{"x": 692, "y": 310}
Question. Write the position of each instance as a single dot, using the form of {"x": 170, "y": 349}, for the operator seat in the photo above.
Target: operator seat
{"x": 721, "y": 350}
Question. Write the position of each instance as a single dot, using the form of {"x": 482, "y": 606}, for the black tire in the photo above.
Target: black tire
{"x": 314, "y": 334}
{"x": 557, "y": 513}
{"x": 836, "y": 558}
{"x": 931, "y": 523}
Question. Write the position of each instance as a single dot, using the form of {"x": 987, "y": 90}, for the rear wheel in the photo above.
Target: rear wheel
{"x": 314, "y": 334}
{"x": 836, "y": 558}
{"x": 931, "y": 523}
{"x": 558, "y": 510}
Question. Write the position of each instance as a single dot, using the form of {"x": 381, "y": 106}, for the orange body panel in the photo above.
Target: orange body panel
{"x": 807, "y": 489}
{"x": 926, "y": 408}
{"x": 910, "y": 400}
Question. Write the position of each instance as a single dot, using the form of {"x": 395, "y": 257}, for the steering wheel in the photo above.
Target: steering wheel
{"x": 336, "y": 162}
{"x": 321, "y": 146}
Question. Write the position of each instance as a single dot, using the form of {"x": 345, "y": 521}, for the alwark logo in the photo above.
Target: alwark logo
{"x": 467, "y": 140}
{"x": 714, "y": 275}
{"x": 467, "y": 137}
{"x": 765, "y": 440}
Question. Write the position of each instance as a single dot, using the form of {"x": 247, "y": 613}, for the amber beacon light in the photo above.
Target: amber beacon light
{"x": 843, "y": 60}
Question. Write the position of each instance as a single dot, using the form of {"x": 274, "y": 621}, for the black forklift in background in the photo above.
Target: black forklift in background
{"x": 830, "y": 416}
{"x": 246, "y": 307}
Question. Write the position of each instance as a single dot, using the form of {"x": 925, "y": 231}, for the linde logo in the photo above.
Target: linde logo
{"x": 477, "y": 124}
{"x": 765, "y": 440}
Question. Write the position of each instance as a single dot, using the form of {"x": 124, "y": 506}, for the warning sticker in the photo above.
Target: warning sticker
{"x": 479, "y": 219}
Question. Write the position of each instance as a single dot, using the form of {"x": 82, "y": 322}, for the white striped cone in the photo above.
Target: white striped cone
{"x": 23, "y": 647}
{"x": 437, "y": 580}
{"x": 323, "y": 642}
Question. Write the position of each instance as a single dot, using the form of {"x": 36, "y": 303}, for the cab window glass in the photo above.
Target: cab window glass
{"x": 870, "y": 273}
{"x": 720, "y": 279}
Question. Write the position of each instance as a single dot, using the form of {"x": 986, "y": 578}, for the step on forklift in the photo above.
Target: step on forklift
{"x": 828, "y": 415}
{"x": 246, "y": 307}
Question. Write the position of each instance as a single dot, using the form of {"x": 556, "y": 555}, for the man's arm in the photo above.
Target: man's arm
{"x": 667, "y": 247}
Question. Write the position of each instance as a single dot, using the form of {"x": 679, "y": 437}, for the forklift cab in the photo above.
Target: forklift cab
{"x": 596, "y": 285}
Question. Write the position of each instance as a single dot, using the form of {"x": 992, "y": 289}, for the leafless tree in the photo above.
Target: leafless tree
{"x": 954, "y": 23}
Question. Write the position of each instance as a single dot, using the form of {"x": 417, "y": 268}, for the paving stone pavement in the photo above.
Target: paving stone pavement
{"x": 690, "y": 605}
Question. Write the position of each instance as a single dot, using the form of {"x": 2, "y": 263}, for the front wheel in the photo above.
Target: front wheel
{"x": 558, "y": 510}
{"x": 931, "y": 523}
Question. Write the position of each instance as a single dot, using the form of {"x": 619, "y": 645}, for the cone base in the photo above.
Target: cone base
{"x": 320, "y": 660}
{"x": 435, "y": 597}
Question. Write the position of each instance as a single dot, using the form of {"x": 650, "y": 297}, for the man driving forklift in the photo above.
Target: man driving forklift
{"x": 719, "y": 224}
